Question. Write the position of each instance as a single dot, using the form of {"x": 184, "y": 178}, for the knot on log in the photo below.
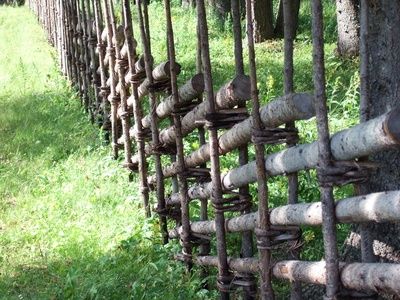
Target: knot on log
{"x": 114, "y": 100}
{"x": 121, "y": 63}
{"x": 160, "y": 86}
{"x": 163, "y": 149}
{"x": 340, "y": 173}
{"x": 143, "y": 134}
{"x": 246, "y": 280}
{"x": 274, "y": 136}
{"x": 93, "y": 42}
{"x": 101, "y": 47}
{"x": 131, "y": 166}
{"x": 104, "y": 91}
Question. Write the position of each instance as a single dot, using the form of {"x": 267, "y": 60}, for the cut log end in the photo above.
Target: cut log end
{"x": 198, "y": 82}
{"x": 304, "y": 103}
{"x": 242, "y": 87}
{"x": 392, "y": 125}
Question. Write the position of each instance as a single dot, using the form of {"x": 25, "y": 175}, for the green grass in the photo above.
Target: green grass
{"x": 71, "y": 225}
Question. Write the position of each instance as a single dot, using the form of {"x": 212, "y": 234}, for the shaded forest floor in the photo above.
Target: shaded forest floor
{"x": 71, "y": 226}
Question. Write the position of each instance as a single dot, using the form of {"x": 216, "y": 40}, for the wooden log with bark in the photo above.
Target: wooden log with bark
{"x": 277, "y": 112}
{"x": 227, "y": 97}
{"x": 379, "y": 134}
{"x": 362, "y": 277}
{"x": 189, "y": 91}
{"x": 376, "y": 207}
{"x": 192, "y": 89}
{"x": 160, "y": 73}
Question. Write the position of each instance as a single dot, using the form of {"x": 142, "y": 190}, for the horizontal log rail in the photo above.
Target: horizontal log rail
{"x": 227, "y": 97}
{"x": 192, "y": 89}
{"x": 160, "y": 73}
{"x": 362, "y": 277}
{"x": 376, "y": 135}
{"x": 282, "y": 110}
{"x": 376, "y": 207}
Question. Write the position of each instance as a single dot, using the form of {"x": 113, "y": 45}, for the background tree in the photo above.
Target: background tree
{"x": 347, "y": 12}
{"x": 381, "y": 90}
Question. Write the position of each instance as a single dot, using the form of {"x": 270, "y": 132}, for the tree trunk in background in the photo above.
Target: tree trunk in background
{"x": 382, "y": 84}
{"x": 264, "y": 20}
{"x": 278, "y": 31}
{"x": 383, "y": 44}
{"x": 222, "y": 8}
{"x": 347, "y": 12}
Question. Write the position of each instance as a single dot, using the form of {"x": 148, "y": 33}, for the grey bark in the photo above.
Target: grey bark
{"x": 347, "y": 12}
{"x": 374, "y": 136}
{"x": 380, "y": 72}
{"x": 275, "y": 113}
{"x": 376, "y": 207}
{"x": 358, "y": 276}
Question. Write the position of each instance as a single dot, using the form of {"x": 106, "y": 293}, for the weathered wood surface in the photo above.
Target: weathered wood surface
{"x": 362, "y": 277}
{"x": 189, "y": 91}
{"x": 227, "y": 97}
{"x": 379, "y": 134}
{"x": 278, "y": 112}
{"x": 139, "y": 68}
{"x": 161, "y": 72}
{"x": 376, "y": 207}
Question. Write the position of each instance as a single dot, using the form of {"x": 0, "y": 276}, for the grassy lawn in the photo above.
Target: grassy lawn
{"x": 71, "y": 225}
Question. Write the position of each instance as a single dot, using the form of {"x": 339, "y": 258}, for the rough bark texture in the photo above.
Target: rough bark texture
{"x": 376, "y": 207}
{"x": 365, "y": 139}
{"x": 264, "y": 20}
{"x": 383, "y": 45}
{"x": 275, "y": 113}
{"x": 348, "y": 27}
{"x": 361, "y": 277}
{"x": 295, "y": 9}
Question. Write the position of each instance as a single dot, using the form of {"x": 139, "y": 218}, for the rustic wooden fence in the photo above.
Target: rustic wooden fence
{"x": 99, "y": 57}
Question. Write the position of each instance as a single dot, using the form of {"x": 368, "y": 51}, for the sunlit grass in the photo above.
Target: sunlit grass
{"x": 71, "y": 225}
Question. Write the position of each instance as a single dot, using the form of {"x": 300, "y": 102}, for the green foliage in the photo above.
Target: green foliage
{"x": 71, "y": 226}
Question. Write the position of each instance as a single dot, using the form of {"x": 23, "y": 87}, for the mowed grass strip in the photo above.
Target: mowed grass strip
{"x": 71, "y": 225}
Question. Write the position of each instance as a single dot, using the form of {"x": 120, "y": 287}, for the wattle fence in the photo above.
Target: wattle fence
{"x": 100, "y": 58}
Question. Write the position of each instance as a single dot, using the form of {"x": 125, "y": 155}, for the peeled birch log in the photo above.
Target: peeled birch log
{"x": 241, "y": 265}
{"x": 370, "y": 137}
{"x": 280, "y": 111}
{"x": 139, "y": 68}
{"x": 363, "y": 277}
{"x": 189, "y": 91}
{"x": 228, "y": 96}
{"x": 161, "y": 72}
{"x": 376, "y": 207}
{"x": 124, "y": 49}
